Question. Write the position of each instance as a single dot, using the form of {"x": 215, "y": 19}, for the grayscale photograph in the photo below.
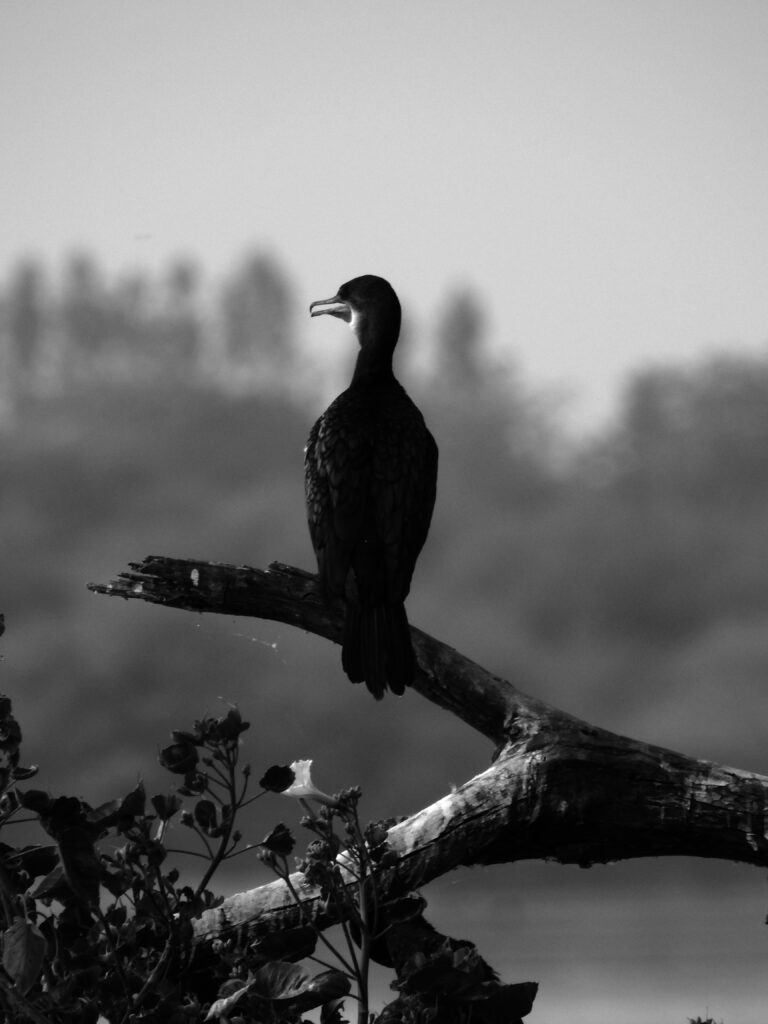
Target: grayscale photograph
{"x": 383, "y": 512}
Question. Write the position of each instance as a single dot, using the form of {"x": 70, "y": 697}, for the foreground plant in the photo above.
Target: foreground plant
{"x": 97, "y": 925}
{"x": 344, "y": 867}
{"x": 440, "y": 980}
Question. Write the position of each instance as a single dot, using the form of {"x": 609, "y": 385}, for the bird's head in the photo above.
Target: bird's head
{"x": 369, "y": 305}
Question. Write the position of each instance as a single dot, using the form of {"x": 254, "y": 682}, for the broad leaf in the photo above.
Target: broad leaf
{"x": 280, "y": 980}
{"x": 223, "y": 1007}
{"x": 24, "y": 949}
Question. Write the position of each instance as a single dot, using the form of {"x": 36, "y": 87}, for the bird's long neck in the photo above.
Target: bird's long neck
{"x": 377, "y": 344}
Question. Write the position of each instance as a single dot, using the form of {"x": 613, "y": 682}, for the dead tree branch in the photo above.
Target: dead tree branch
{"x": 282, "y": 593}
{"x": 558, "y": 789}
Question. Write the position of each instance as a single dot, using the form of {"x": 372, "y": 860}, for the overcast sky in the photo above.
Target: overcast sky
{"x": 597, "y": 171}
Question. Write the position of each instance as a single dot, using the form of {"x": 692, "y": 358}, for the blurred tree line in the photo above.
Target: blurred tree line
{"x": 605, "y": 574}
{"x": 85, "y": 327}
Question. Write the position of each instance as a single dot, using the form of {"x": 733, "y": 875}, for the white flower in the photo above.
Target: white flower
{"x": 303, "y": 788}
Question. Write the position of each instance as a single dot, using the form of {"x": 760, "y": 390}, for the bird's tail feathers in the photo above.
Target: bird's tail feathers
{"x": 377, "y": 649}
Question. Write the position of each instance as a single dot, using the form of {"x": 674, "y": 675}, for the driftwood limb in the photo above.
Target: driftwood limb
{"x": 559, "y": 788}
{"x": 282, "y": 593}
{"x": 586, "y": 799}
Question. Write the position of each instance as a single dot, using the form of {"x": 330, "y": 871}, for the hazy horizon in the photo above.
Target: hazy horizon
{"x": 594, "y": 171}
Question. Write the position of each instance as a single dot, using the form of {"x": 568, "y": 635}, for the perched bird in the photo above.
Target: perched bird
{"x": 370, "y": 473}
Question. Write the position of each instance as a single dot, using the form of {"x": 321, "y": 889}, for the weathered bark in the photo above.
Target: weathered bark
{"x": 282, "y": 593}
{"x": 559, "y": 788}
{"x": 582, "y": 797}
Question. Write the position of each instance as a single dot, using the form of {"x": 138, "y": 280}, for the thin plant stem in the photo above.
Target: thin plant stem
{"x": 185, "y": 853}
{"x": 113, "y": 950}
{"x": 349, "y": 970}
{"x": 221, "y": 852}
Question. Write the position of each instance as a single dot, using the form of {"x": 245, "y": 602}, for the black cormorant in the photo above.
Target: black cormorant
{"x": 370, "y": 473}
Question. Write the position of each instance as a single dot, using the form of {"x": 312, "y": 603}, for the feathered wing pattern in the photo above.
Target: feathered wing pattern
{"x": 370, "y": 474}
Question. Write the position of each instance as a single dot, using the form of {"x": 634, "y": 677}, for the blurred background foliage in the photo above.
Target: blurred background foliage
{"x": 612, "y": 575}
{"x": 623, "y": 576}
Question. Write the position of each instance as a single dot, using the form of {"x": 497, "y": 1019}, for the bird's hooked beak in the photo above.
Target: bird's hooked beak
{"x": 336, "y": 307}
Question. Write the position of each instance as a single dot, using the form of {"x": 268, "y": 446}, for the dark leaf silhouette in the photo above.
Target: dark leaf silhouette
{"x": 24, "y": 949}
{"x": 82, "y": 868}
{"x": 280, "y": 841}
{"x": 205, "y": 816}
{"x": 166, "y": 805}
{"x": 179, "y": 758}
{"x": 278, "y": 778}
